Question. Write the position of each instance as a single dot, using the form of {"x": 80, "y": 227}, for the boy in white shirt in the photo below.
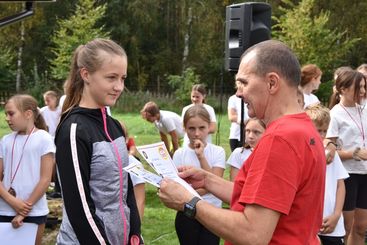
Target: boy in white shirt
{"x": 167, "y": 123}
{"x": 332, "y": 230}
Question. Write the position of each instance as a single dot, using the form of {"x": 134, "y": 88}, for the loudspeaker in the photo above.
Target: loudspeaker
{"x": 246, "y": 25}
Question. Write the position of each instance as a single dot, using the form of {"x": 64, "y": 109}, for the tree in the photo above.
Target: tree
{"x": 309, "y": 36}
{"x": 76, "y": 30}
{"x": 182, "y": 85}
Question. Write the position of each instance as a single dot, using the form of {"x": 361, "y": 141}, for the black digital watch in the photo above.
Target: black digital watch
{"x": 190, "y": 207}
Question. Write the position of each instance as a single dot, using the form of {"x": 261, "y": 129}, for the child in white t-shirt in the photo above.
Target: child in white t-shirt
{"x": 168, "y": 123}
{"x": 254, "y": 128}
{"x": 200, "y": 154}
{"x": 51, "y": 112}
{"x": 26, "y": 163}
{"x": 198, "y": 95}
{"x": 332, "y": 230}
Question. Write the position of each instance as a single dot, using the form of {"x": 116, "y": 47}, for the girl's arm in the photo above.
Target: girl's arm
{"x": 47, "y": 165}
{"x": 73, "y": 156}
{"x": 233, "y": 173}
{"x": 17, "y": 204}
{"x": 232, "y": 115}
{"x": 329, "y": 223}
{"x": 17, "y": 221}
{"x": 212, "y": 127}
{"x": 199, "y": 150}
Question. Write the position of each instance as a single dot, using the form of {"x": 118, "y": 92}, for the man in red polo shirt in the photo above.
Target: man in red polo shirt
{"x": 277, "y": 197}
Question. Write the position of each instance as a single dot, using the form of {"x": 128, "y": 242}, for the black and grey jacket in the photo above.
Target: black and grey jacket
{"x": 89, "y": 174}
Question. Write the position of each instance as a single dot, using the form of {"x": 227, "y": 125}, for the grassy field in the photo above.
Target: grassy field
{"x": 158, "y": 223}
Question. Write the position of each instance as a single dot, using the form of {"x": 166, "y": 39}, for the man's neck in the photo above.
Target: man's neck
{"x": 284, "y": 106}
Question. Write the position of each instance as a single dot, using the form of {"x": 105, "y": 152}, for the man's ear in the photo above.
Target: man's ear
{"x": 273, "y": 82}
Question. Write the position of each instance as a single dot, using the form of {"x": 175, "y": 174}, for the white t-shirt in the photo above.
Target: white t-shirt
{"x": 235, "y": 103}
{"x": 215, "y": 155}
{"x": 212, "y": 119}
{"x": 61, "y": 102}
{"x": 334, "y": 172}
{"x": 310, "y": 99}
{"x": 28, "y": 175}
{"x": 343, "y": 124}
{"x": 51, "y": 117}
{"x": 238, "y": 157}
{"x": 168, "y": 122}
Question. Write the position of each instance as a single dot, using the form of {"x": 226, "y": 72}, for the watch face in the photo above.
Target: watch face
{"x": 189, "y": 210}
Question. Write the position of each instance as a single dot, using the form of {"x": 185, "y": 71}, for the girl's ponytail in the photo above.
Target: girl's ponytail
{"x": 39, "y": 121}
{"x": 74, "y": 85}
{"x": 334, "y": 99}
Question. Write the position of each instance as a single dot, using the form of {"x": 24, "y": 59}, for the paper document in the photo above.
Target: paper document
{"x": 138, "y": 170}
{"x": 159, "y": 159}
{"x": 24, "y": 235}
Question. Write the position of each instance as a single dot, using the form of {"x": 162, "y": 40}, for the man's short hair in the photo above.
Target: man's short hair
{"x": 275, "y": 56}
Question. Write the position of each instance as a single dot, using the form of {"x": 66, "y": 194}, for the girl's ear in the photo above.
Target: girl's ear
{"x": 28, "y": 114}
{"x": 84, "y": 74}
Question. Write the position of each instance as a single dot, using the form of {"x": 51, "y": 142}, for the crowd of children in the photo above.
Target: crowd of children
{"x": 103, "y": 204}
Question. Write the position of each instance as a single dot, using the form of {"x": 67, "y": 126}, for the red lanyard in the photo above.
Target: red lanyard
{"x": 12, "y": 177}
{"x": 119, "y": 161}
{"x": 360, "y": 127}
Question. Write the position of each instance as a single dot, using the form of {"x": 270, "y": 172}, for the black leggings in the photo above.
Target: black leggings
{"x": 191, "y": 232}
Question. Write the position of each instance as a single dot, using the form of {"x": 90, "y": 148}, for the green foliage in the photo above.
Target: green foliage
{"x": 309, "y": 36}
{"x": 7, "y": 70}
{"x": 182, "y": 84}
{"x": 324, "y": 92}
{"x": 76, "y": 30}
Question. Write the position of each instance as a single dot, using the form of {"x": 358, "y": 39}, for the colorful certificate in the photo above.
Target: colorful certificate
{"x": 159, "y": 159}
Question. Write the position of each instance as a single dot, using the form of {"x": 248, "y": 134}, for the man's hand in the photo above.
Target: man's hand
{"x": 194, "y": 176}
{"x": 173, "y": 195}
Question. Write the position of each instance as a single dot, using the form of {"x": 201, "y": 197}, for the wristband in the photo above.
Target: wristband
{"x": 333, "y": 143}
{"x": 355, "y": 154}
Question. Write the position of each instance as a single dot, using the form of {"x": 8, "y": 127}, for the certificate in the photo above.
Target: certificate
{"x": 159, "y": 159}
{"x": 24, "y": 235}
{"x": 137, "y": 169}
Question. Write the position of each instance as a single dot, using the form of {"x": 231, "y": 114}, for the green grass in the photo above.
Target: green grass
{"x": 158, "y": 223}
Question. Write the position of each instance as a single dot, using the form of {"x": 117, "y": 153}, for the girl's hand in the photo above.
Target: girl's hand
{"x": 17, "y": 221}
{"x": 329, "y": 223}
{"x": 331, "y": 149}
{"x": 199, "y": 148}
{"x": 21, "y": 207}
{"x": 362, "y": 153}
